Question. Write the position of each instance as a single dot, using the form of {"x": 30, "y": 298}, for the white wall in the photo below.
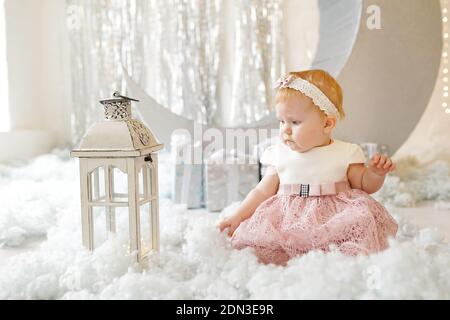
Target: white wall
{"x": 24, "y": 53}
{"x": 4, "y": 106}
{"x": 56, "y": 66}
{"x": 38, "y": 78}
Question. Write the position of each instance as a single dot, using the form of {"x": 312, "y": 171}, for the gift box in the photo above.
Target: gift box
{"x": 229, "y": 177}
{"x": 187, "y": 176}
{"x": 259, "y": 149}
{"x": 371, "y": 148}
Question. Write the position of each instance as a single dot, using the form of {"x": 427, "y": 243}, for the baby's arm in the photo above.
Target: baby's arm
{"x": 266, "y": 188}
{"x": 370, "y": 179}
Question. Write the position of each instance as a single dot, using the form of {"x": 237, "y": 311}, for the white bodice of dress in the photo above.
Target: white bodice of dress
{"x": 319, "y": 165}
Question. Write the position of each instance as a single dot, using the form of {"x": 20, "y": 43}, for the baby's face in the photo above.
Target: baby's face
{"x": 301, "y": 124}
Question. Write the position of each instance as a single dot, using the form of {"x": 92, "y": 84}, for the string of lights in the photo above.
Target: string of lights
{"x": 445, "y": 69}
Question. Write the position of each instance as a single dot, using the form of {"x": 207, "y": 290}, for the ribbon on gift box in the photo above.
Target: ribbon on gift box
{"x": 179, "y": 142}
{"x": 186, "y": 182}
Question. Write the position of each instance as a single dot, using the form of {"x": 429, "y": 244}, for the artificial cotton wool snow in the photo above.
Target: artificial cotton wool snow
{"x": 202, "y": 265}
{"x": 413, "y": 182}
{"x": 195, "y": 261}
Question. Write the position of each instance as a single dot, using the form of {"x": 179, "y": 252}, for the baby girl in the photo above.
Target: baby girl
{"x": 315, "y": 192}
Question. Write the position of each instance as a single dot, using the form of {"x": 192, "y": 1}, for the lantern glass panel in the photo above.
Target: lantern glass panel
{"x": 149, "y": 169}
{"x": 97, "y": 185}
{"x": 119, "y": 185}
{"x": 145, "y": 182}
{"x": 99, "y": 225}
{"x": 141, "y": 182}
{"x": 150, "y": 179}
{"x": 123, "y": 224}
{"x": 146, "y": 228}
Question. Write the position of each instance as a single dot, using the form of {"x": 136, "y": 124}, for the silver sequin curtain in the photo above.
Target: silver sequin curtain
{"x": 172, "y": 49}
{"x": 259, "y": 58}
{"x": 182, "y": 56}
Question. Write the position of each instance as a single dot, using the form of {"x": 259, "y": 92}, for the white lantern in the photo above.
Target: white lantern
{"x": 119, "y": 180}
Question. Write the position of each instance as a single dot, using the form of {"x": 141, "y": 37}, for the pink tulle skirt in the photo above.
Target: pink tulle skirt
{"x": 285, "y": 226}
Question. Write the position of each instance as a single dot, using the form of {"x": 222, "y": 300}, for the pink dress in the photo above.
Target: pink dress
{"x": 287, "y": 225}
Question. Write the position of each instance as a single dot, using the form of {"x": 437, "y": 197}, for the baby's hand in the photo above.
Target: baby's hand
{"x": 231, "y": 222}
{"x": 381, "y": 164}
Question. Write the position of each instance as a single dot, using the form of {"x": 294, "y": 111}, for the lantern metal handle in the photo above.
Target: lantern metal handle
{"x": 118, "y": 95}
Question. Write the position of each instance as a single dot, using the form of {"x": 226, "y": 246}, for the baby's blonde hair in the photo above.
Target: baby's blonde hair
{"x": 321, "y": 79}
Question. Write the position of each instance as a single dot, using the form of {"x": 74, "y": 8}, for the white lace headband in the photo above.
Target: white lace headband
{"x": 310, "y": 90}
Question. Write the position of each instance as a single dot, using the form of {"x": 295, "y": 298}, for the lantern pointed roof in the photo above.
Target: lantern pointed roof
{"x": 119, "y": 135}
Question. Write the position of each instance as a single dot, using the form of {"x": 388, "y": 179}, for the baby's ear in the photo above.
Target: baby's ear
{"x": 330, "y": 123}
